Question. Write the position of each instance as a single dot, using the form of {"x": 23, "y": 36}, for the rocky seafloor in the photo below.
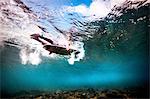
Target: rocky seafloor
{"x": 132, "y": 93}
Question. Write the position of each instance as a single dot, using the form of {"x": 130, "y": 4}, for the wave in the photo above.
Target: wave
{"x": 18, "y": 22}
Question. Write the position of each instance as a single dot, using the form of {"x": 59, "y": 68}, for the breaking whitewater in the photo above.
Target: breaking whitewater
{"x": 18, "y": 22}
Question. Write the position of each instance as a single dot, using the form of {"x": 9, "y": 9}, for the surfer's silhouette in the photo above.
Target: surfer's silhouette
{"x": 52, "y": 48}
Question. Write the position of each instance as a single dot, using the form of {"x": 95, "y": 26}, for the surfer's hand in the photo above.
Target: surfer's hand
{"x": 34, "y": 36}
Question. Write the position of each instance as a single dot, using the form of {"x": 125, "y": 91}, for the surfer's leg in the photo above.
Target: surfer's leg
{"x": 50, "y": 53}
{"x": 76, "y": 54}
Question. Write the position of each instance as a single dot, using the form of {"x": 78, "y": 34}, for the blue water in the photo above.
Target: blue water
{"x": 120, "y": 66}
{"x": 94, "y": 71}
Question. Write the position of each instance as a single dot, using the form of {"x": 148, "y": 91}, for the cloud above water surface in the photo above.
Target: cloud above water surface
{"x": 97, "y": 8}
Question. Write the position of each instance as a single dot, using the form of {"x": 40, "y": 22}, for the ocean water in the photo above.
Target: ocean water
{"x": 117, "y": 59}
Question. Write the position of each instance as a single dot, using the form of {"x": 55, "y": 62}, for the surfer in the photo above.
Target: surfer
{"x": 53, "y": 48}
{"x": 37, "y": 36}
{"x": 68, "y": 41}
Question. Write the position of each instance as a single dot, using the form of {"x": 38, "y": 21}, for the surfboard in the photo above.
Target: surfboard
{"x": 59, "y": 50}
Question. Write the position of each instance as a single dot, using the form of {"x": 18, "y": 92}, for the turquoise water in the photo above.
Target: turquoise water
{"x": 97, "y": 70}
{"x": 108, "y": 63}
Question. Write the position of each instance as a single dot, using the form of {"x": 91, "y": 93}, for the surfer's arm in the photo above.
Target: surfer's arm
{"x": 48, "y": 40}
{"x": 36, "y": 37}
{"x": 40, "y": 41}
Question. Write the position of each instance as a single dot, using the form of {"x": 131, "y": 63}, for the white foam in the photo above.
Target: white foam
{"x": 19, "y": 30}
